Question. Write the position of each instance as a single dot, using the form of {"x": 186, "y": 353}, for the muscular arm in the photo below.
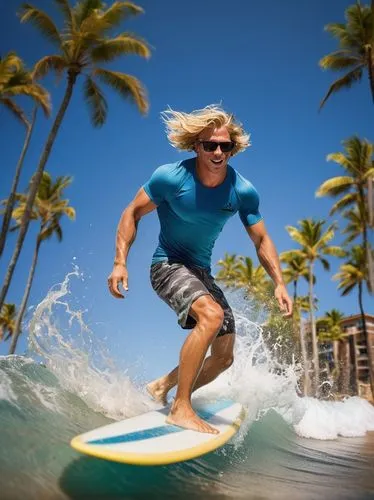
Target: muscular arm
{"x": 126, "y": 233}
{"x": 266, "y": 251}
{"x": 269, "y": 259}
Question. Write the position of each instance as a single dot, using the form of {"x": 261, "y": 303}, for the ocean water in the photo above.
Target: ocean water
{"x": 288, "y": 448}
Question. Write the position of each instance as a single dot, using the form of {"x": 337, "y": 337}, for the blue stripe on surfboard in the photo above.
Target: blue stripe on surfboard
{"x": 162, "y": 430}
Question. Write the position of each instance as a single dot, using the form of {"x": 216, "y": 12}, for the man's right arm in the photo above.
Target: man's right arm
{"x": 126, "y": 232}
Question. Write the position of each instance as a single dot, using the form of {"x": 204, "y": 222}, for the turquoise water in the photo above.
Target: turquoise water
{"x": 289, "y": 447}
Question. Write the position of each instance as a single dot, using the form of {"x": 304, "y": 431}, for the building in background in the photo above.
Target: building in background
{"x": 347, "y": 361}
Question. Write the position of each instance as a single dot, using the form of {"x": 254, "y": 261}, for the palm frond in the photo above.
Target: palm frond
{"x": 335, "y": 186}
{"x": 58, "y": 232}
{"x": 359, "y": 23}
{"x": 341, "y": 59}
{"x": 118, "y": 12}
{"x": 53, "y": 62}
{"x": 67, "y": 12}
{"x": 96, "y": 102}
{"x": 369, "y": 174}
{"x": 10, "y": 65}
{"x": 341, "y": 159}
{"x": 325, "y": 264}
{"x": 123, "y": 45}
{"x": 41, "y": 20}
{"x": 127, "y": 86}
{"x": 296, "y": 235}
{"x": 292, "y": 254}
{"x": 344, "y": 202}
{"x": 16, "y": 110}
{"x": 344, "y": 82}
{"x": 37, "y": 92}
{"x": 70, "y": 213}
{"x": 47, "y": 232}
{"x": 339, "y": 31}
{"x": 84, "y": 8}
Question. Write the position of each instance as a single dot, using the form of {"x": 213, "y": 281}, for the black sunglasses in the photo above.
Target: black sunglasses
{"x": 210, "y": 146}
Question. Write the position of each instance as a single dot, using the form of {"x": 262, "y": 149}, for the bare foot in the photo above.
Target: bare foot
{"x": 183, "y": 415}
{"x": 157, "y": 392}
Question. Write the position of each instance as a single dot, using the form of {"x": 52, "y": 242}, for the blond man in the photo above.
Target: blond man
{"x": 194, "y": 199}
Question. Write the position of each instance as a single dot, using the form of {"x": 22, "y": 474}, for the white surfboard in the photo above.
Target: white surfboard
{"x": 148, "y": 440}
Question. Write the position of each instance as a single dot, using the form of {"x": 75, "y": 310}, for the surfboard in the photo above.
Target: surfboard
{"x": 148, "y": 440}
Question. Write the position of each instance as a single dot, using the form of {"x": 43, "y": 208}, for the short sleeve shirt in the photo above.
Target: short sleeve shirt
{"x": 193, "y": 215}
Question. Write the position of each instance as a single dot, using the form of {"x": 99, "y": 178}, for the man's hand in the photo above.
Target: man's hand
{"x": 284, "y": 301}
{"x": 117, "y": 276}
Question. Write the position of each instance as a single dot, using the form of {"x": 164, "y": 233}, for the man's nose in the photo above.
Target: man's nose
{"x": 218, "y": 150}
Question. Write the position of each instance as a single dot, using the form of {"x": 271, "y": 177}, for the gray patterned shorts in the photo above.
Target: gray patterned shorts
{"x": 179, "y": 286}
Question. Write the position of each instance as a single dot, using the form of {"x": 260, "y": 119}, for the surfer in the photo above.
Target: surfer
{"x": 194, "y": 198}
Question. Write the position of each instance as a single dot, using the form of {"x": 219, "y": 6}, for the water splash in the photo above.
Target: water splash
{"x": 79, "y": 361}
{"x": 262, "y": 383}
{"x": 257, "y": 379}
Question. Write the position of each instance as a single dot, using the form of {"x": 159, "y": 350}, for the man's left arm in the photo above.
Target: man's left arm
{"x": 269, "y": 259}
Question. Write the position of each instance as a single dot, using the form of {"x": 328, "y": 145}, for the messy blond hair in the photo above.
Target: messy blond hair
{"x": 183, "y": 129}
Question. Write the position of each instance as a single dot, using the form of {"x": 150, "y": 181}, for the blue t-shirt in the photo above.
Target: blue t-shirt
{"x": 192, "y": 215}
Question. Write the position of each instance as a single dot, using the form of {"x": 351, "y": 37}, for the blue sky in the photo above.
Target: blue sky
{"x": 260, "y": 60}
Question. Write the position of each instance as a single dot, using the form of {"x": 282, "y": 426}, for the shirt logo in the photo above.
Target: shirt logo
{"x": 228, "y": 208}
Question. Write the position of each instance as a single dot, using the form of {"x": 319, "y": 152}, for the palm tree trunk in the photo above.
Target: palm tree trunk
{"x": 305, "y": 360}
{"x": 370, "y": 204}
{"x": 353, "y": 364}
{"x": 370, "y": 64}
{"x": 365, "y": 240}
{"x": 314, "y": 333}
{"x": 36, "y": 179}
{"x": 336, "y": 370}
{"x": 344, "y": 368}
{"x": 367, "y": 340}
{"x": 295, "y": 324}
{"x": 11, "y": 199}
{"x": 22, "y": 309}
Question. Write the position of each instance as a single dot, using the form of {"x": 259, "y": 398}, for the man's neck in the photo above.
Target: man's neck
{"x": 207, "y": 178}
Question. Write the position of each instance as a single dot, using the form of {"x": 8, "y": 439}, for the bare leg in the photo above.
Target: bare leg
{"x": 221, "y": 358}
{"x": 209, "y": 317}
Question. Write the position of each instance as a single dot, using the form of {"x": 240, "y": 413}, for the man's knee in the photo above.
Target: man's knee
{"x": 209, "y": 314}
{"x": 212, "y": 317}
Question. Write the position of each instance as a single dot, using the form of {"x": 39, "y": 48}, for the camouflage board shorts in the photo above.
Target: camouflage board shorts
{"x": 179, "y": 286}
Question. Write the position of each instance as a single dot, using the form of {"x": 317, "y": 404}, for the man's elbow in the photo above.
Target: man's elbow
{"x": 129, "y": 214}
{"x": 259, "y": 242}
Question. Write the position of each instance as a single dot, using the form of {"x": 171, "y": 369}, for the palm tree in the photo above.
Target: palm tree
{"x": 7, "y": 321}
{"x": 297, "y": 268}
{"x": 314, "y": 245}
{"x": 356, "y": 49}
{"x": 351, "y": 188}
{"x": 253, "y": 278}
{"x": 354, "y": 274}
{"x": 356, "y": 220}
{"x": 240, "y": 272}
{"x": 48, "y": 208}
{"x": 357, "y": 162}
{"x": 229, "y": 269}
{"x": 330, "y": 330}
{"x": 83, "y": 43}
{"x": 15, "y": 81}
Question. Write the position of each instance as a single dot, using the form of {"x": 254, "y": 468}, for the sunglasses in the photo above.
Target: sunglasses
{"x": 210, "y": 146}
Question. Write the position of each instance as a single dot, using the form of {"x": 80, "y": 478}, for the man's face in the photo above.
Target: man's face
{"x": 214, "y": 161}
